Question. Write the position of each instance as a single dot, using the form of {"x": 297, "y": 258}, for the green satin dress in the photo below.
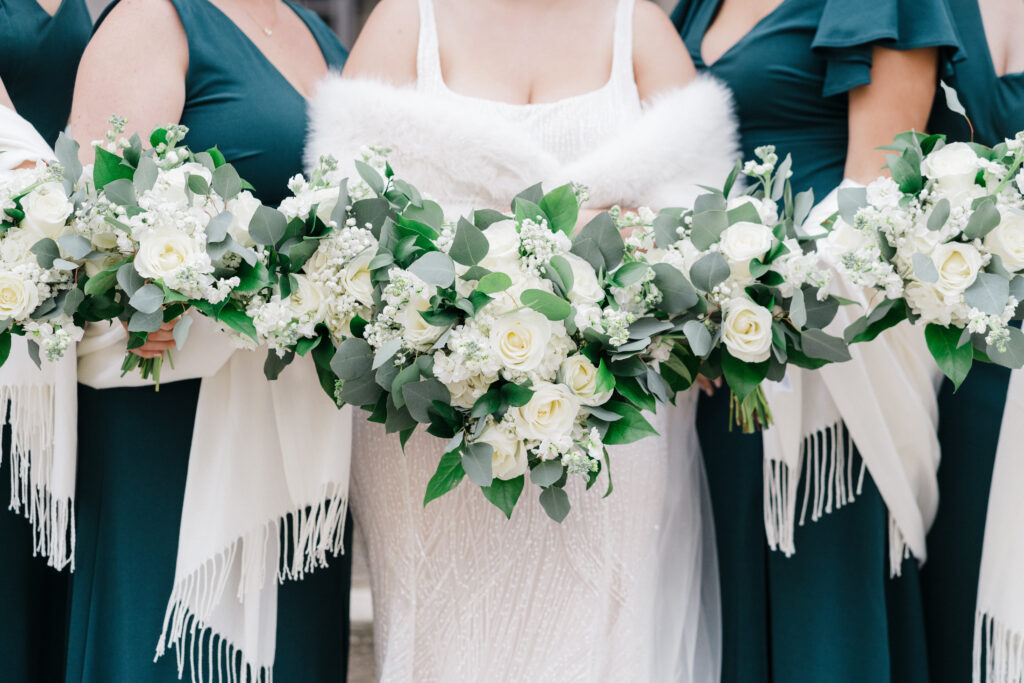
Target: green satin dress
{"x": 38, "y": 58}
{"x": 949, "y": 580}
{"x": 134, "y": 442}
{"x": 829, "y": 614}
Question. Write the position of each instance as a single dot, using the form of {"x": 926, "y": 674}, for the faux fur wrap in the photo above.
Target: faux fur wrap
{"x": 464, "y": 160}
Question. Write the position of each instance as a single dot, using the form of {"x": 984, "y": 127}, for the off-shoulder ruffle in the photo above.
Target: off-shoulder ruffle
{"x": 848, "y": 31}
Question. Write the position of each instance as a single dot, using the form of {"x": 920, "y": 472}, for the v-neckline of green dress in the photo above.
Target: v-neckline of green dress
{"x": 262, "y": 55}
{"x": 709, "y": 19}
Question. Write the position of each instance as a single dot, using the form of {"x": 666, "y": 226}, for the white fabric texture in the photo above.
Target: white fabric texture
{"x": 999, "y": 621}
{"x": 625, "y": 588}
{"x": 887, "y": 398}
{"x": 41, "y": 401}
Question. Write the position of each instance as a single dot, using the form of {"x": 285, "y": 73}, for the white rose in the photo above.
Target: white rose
{"x": 926, "y": 300}
{"x": 308, "y": 299}
{"x": 162, "y": 253}
{"x": 326, "y": 199}
{"x": 418, "y": 332}
{"x": 1007, "y": 241}
{"x": 744, "y": 241}
{"x": 586, "y": 288}
{"x": 953, "y": 168}
{"x": 101, "y": 263}
{"x": 170, "y": 185}
{"x": 520, "y": 339}
{"x": 958, "y": 265}
{"x": 747, "y": 330}
{"x": 18, "y": 297}
{"x": 509, "y": 459}
{"x": 503, "y": 253}
{"x": 355, "y": 277}
{"x": 46, "y": 211}
{"x": 580, "y": 375}
{"x": 465, "y": 393}
{"x": 242, "y": 209}
{"x": 550, "y": 414}
{"x": 843, "y": 238}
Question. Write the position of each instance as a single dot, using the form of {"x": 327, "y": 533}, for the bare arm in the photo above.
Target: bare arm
{"x": 386, "y": 47}
{"x": 899, "y": 98}
{"x": 134, "y": 67}
{"x": 5, "y": 99}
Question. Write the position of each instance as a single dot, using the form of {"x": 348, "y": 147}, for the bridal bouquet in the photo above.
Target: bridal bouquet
{"x": 944, "y": 240}
{"x": 40, "y": 258}
{"x": 764, "y": 297}
{"x": 169, "y": 230}
{"x": 500, "y": 335}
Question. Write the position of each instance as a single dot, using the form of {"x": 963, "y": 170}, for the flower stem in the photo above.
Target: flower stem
{"x": 751, "y": 414}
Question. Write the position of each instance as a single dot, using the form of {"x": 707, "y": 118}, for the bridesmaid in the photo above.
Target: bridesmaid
{"x": 237, "y": 73}
{"x": 827, "y": 81}
{"x": 990, "y": 82}
{"x": 42, "y": 43}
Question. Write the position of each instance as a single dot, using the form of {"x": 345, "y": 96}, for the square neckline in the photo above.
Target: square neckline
{"x": 426, "y": 6}
{"x": 266, "y": 60}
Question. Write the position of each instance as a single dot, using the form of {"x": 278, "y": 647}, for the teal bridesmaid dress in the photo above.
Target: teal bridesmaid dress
{"x": 949, "y": 580}
{"x": 38, "y": 58}
{"x": 132, "y": 468}
{"x": 829, "y": 614}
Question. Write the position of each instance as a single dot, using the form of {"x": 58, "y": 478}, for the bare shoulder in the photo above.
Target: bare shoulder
{"x": 386, "y": 47}
{"x": 146, "y": 20}
{"x": 660, "y": 59}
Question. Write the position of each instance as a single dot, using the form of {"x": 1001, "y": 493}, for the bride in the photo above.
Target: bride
{"x": 477, "y": 101}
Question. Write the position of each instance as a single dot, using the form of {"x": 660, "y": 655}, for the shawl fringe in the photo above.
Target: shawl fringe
{"x": 307, "y": 537}
{"x": 1003, "y": 648}
{"x": 825, "y": 481}
{"x": 29, "y": 410}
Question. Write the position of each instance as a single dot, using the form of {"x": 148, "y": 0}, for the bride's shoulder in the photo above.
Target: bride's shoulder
{"x": 660, "y": 59}
{"x": 386, "y": 47}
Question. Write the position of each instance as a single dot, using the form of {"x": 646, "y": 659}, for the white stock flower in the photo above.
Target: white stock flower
{"x": 924, "y": 298}
{"x": 163, "y": 253}
{"x": 586, "y": 288}
{"x": 18, "y": 297}
{"x": 170, "y": 185}
{"x": 1007, "y": 241}
{"x": 550, "y": 414}
{"x": 464, "y": 393}
{"x": 242, "y": 209}
{"x": 520, "y": 339}
{"x": 958, "y": 266}
{"x": 884, "y": 193}
{"x": 747, "y": 330}
{"x": 509, "y": 459}
{"x": 580, "y": 375}
{"x": 46, "y": 211}
{"x": 766, "y": 208}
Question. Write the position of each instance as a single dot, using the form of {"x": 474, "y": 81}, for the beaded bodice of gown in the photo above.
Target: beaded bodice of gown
{"x": 462, "y": 594}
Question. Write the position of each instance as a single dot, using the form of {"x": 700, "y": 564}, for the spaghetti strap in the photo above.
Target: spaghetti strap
{"x": 622, "y": 47}
{"x": 428, "y": 51}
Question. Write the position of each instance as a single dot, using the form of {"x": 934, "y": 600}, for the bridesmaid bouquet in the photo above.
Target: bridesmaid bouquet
{"x": 499, "y": 334}
{"x": 764, "y": 300}
{"x": 169, "y": 230}
{"x": 944, "y": 240}
{"x": 40, "y": 257}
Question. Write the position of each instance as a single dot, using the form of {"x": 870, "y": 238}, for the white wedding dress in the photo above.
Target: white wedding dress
{"x": 626, "y": 588}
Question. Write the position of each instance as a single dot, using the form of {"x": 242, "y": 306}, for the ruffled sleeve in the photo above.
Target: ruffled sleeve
{"x": 848, "y": 32}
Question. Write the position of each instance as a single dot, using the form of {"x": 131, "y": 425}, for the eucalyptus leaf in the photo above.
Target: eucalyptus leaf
{"x": 665, "y": 228}
{"x": 709, "y": 271}
{"x": 1012, "y": 354}
{"x": 561, "y": 266}
{"x": 147, "y": 299}
{"x": 180, "y": 331}
{"x": 267, "y": 226}
{"x": 984, "y": 220}
{"x": 988, "y": 293}
{"x": 353, "y": 358}
{"x": 146, "y": 322}
{"x": 121, "y": 192}
{"x": 555, "y": 502}
{"x": 924, "y": 268}
{"x": 75, "y": 246}
{"x": 470, "y": 244}
{"x": 46, "y": 251}
{"x": 817, "y": 344}
{"x": 939, "y": 214}
{"x": 648, "y": 327}
{"x": 64, "y": 264}
{"x": 385, "y": 352}
{"x": 600, "y": 243}
{"x": 129, "y": 278}
{"x": 798, "y": 309}
{"x": 550, "y": 306}
{"x": 370, "y": 176}
{"x": 678, "y": 295}
{"x": 492, "y": 283}
{"x": 226, "y": 182}
{"x": 546, "y": 472}
{"x": 477, "y": 460}
{"x": 851, "y": 200}
{"x": 952, "y": 100}
{"x": 419, "y": 397}
{"x": 630, "y": 273}
{"x": 434, "y": 268}
{"x": 72, "y": 300}
{"x": 707, "y": 228}
{"x": 699, "y": 337}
